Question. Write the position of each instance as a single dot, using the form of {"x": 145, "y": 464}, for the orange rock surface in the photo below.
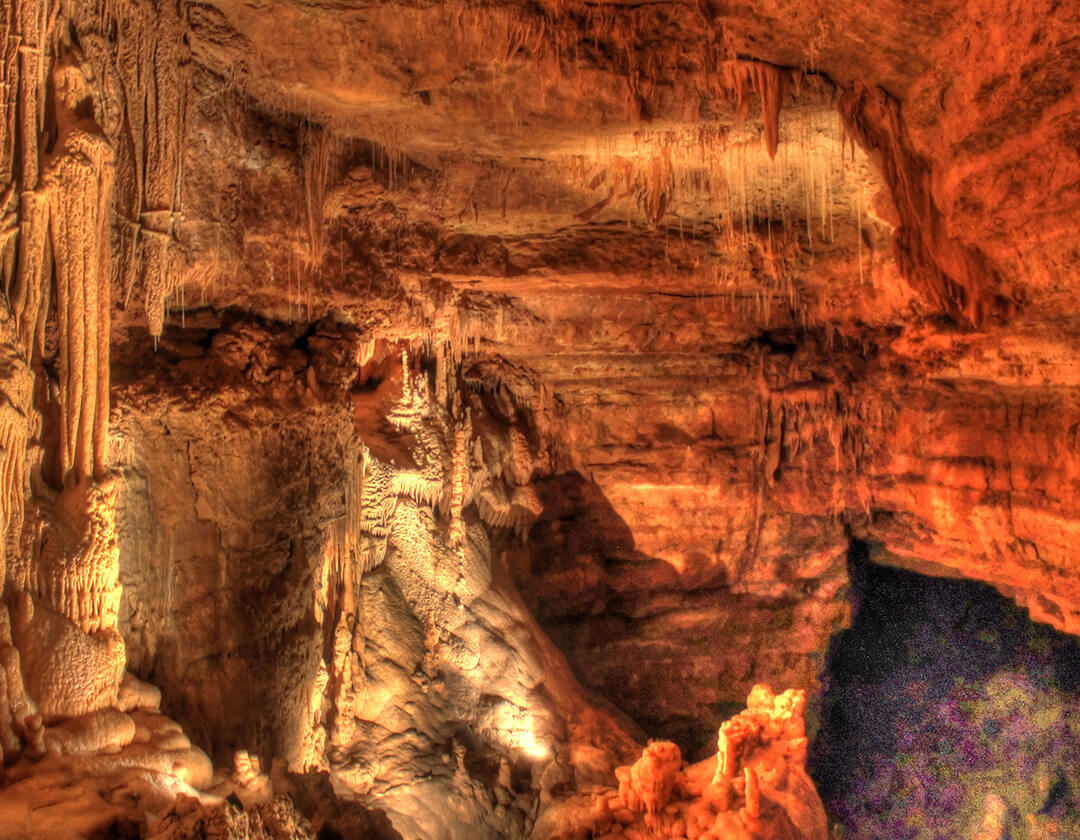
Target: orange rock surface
{"x": 441, "y": 399}
{"x": 754, "y": 787}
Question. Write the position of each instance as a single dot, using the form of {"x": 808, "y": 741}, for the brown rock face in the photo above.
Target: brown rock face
{"x": 441, "y": 397}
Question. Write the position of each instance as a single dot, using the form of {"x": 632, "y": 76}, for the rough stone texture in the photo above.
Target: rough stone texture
{"x": 227, "y": 497}
{"x": 725, "y": 362}
{"x": 275, "y": 820}
{"x": 754, "y": 786}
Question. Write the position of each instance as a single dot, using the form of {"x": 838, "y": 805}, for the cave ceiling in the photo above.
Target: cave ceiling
{"x": 783, "y": 270}
{"x": 581, "y": 197}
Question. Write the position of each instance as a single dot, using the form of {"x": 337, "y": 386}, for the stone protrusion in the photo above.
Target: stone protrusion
{"x": 759, "y": 758}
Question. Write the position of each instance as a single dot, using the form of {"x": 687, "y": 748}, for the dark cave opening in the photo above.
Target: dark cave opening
{"x": 946, "y": 714}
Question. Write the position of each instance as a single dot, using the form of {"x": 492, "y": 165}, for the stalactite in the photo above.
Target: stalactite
{"x": 808, "y": 189}
{"x": 29, "y": 294}
{"x": 315, "y": 150}
{"x": 767, "y": 81}
{"x": 859, "y": 229}
{"x": 14, "y": 436}
{"x": 26, "y": 46}
{"x": 418, "y": 487}
{"x": 32, "y": 47}
{"x": 152, "y": 64}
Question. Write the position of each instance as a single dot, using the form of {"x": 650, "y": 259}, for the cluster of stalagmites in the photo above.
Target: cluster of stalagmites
{"x": 459, "y": 461}
{"x": 754, "y": 788}
{"x": 274, "y": 819}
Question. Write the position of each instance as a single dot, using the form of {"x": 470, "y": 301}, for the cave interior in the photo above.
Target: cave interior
{"x": 563, "y": 419}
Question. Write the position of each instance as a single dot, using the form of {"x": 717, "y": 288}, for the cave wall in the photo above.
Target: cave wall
{"x": 227, "y": 497}
{"x": 747, "y": 281}
{"x": 977, "y": 483}
{"x": 742, "y": 489}
{"x": 693, "y": 552}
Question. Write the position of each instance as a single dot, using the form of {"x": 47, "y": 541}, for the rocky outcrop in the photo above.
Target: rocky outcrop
{"x": 754, "y": 787}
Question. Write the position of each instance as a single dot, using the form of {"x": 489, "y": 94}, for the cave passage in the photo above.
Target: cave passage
{"x": 946, "y": 714}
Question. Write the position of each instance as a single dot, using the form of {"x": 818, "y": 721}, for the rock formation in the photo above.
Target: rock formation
{"x": 410, "y": 409}
{"x": 755, "y": 786}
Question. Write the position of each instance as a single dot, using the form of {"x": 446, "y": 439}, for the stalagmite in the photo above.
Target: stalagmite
{"x": 66, "y": 626}
{"x": 753, "y": 793}
{"x": 352, "y": 525}
{"x": 659, "y": 796}
{"x": 77, "y": 570}
{"x": 459, "y": 481}
{"x": 725, "y": 755}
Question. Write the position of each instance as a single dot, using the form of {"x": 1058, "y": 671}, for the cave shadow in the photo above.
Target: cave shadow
{"x": 944, "y": 701}
{"x": 583, "y": 578}
{"x": 578, "y": 514}
{"x": 579, "y": 521}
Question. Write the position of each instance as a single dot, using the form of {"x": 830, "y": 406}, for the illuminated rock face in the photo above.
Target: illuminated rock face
{"x": 436, "y": 668}
{"x": 360, "y": 364}
{"x": 400, "y": 662}
{"x": 754, "y": 787}
{"x": 79, "y": 564}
